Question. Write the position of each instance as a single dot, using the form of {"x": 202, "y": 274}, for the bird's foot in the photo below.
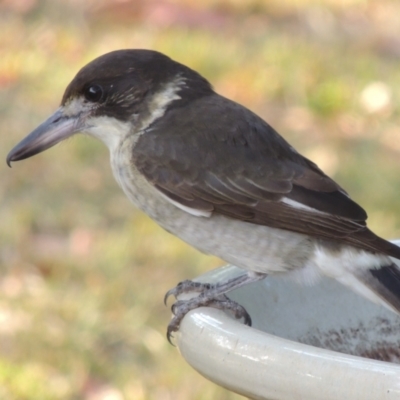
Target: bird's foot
{"x": 209, "y": 295}
{"x": 222, "y": 302}
{"x": 186, "y": 287}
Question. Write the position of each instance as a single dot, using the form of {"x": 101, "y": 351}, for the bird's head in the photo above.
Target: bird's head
{"x": 120, "y": 93}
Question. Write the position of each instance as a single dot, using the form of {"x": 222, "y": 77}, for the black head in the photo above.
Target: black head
{"x": 119, "y": 82}
{"x": 130, "y": 87}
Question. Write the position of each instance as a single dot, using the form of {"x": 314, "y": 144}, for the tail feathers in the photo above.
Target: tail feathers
{"x": 367, "y": 240}
{"x": 385, "y": 283}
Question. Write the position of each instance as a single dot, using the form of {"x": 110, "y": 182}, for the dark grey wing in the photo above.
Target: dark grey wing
{"x": 221, "y": 158}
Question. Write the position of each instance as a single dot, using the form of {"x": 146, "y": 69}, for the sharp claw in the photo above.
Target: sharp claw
{"x": 176, "y": 291}
{"x": 169, "y": 335}
{"x": 170, "y": 292}
{"x": 186, "y": 287}
{"x": 173, "y": 326}
{"x": 175, "y": 310}
{"x": 247, "y": 319}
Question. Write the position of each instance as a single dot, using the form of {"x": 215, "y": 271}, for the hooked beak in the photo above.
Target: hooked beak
{"x": 52, "y": 131}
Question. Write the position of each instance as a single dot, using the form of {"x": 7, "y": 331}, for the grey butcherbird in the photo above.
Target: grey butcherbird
{"x": 216, "y": 175}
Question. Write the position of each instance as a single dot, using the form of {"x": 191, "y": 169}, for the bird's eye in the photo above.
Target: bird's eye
{"x": 94, "y": 93}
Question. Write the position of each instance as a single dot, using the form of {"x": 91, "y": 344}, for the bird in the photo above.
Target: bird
{"x": 213, "y": 173}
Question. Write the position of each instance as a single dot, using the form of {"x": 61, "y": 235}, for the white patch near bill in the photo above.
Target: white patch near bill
{"x": 110, "y": 131}
{"x": 77, "y": 106}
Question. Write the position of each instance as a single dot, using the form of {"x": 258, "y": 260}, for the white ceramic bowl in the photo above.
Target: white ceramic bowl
{"x": 321, "y": 342}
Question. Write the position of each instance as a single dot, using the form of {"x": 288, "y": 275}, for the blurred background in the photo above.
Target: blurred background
{"x": 83, "y": 273}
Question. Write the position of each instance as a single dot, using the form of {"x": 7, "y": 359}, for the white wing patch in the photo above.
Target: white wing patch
{"x": 189, "y": 210}
{"x": 300, "y": 206}
{"x": 203, "y": 213}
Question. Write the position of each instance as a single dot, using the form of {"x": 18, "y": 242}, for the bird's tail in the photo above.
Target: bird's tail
{"x": 376, "y": 276}
{"x": 382, "y": 277}
{"x": 384, "y": 283}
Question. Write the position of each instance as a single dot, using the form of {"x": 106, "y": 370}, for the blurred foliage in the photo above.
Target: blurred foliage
{"x": 83, "y": 273}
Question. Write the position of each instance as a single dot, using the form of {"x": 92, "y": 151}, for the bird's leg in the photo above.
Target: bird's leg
{"x": 211, "y": 295}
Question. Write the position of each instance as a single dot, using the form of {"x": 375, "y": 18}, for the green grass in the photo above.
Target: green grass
{"x": 83, "y": 273}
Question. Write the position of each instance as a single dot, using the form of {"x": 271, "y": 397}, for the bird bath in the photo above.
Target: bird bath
{"x": 322, "y": 342}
